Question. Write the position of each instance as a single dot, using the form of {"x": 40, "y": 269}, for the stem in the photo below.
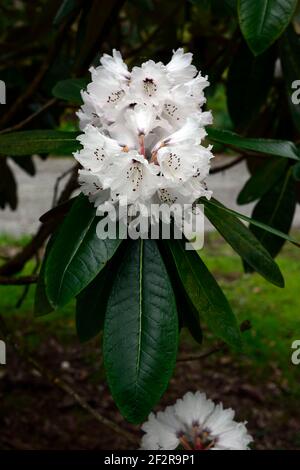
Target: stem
{"x": 19, "y": 281}
{"x": 227, "y": 165}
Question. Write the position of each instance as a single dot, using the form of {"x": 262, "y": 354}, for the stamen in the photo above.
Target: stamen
{"x": 183, "y": 440}
{"x": 142, "y": 144}
{"x": 154, "y": 153}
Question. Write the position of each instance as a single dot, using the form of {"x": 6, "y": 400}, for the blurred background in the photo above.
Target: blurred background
{"x": 43, "y": 43}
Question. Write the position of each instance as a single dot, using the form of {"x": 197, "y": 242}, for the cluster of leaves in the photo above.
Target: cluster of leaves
{"x": 140, "y": 293}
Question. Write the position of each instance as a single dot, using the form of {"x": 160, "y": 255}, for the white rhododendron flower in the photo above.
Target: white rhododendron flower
{"x": 195, "y": 423}
{"x": 142, "y": 133}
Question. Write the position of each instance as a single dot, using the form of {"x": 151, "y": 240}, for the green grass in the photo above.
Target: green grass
{"x": 274, "y": 313}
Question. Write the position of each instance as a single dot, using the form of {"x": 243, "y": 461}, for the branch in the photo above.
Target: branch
{"x": 17, "y": 263}
{"x": 60, "y": 383}
{"x": 153, "y": 34}
{"x": 30, "y": 118}
{"x": 227, "y": 165}
{"x": 221, "y": 346}
{"x": 197, "y": 357}
{"x": 18, "y": 281}
{"x": 59, "y": 179}
{"x": 52, "y": 53}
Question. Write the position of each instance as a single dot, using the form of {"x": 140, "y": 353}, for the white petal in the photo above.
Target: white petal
{"x": 180, "y": 68}
{"x": 115, "y": 65}
{"x": 91, "y": 186}
{"x": 97, "y": 149}
{"x": 235, "y": 439}
{"x": 193, "y": 408}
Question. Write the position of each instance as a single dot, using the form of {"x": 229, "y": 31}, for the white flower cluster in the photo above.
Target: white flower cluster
{"x": 195, "y": 423}
{"x": 142, "y": 133}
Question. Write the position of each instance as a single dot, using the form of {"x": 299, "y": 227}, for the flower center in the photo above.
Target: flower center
{"x": 200, "y": 439}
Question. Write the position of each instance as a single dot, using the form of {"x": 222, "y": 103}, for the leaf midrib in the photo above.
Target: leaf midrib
{"x": 138, "y": 360}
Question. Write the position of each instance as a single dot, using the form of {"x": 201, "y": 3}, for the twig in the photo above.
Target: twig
{"x": 58, "y": 180}
{"x": 60, "y": 383}
{"x": 235, "y": 162}
{"x": 19, "y": 103}
{"x": 159, "y": 27}
{"x": 24, "y": 294}
{"x": 30, "y": 118}
{"x": 16, "y": 264}
{"x": 221, "y": 346}
{"x": 197, "y": 357}
{"x": 18, "y": 281}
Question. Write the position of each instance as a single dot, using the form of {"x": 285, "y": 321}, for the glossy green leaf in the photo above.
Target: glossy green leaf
{"x": 41, "y": 141}
{"x": 70, "y": 89}
{"x": 42, "y": 305}
{"x": 140, "y": 331}
{"x": 245, "y": 244}
{"x": 77, "y": 255}
{"x": 262, "y": 180}
{"x": 187, "y": 314}
{"x": 252, "y": 221}
{"x": 248, "y": 84}
{"x": 278, "y": 148}
{"x": 276, "y": 209}
{"x": 263, "y": 21}
{"x": 205, "y": 294}
{"x": 90, "y": 307}
{"x": 92, "y": 301}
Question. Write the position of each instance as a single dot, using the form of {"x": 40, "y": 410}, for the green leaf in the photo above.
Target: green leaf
{"x": 290, "y": 60}
{"x": 42, "y": 306}
{"x": 263, "y": 21}
{"x": 278, "y": 148}
{"x": 205, "y": 294}
{"x": 8, "y": 186}
{"x": 140, "y": 331}
{"x": 77, "y": 254}
{"x": 92, "y": 301}
{"x": 296, "y": 171}
{"x": 276, "y": 209}
{"x": 26, "y": 164}
{"x": 70, "y": 89}
{"x": 248, "y": 84}
{"x": 262, "y": 180}
{"x": 66, "y": 8}
{"x": 245, "y": 244}
{"x": 190, "y": 319}
{"x": 42, "y": 141}
{"x": 257, "y": 223}
{"x": 90, "y": 308}
{"x": 187, "y": 314}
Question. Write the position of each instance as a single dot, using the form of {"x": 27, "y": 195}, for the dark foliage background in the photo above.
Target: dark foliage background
{"x": 46, "y": 49}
